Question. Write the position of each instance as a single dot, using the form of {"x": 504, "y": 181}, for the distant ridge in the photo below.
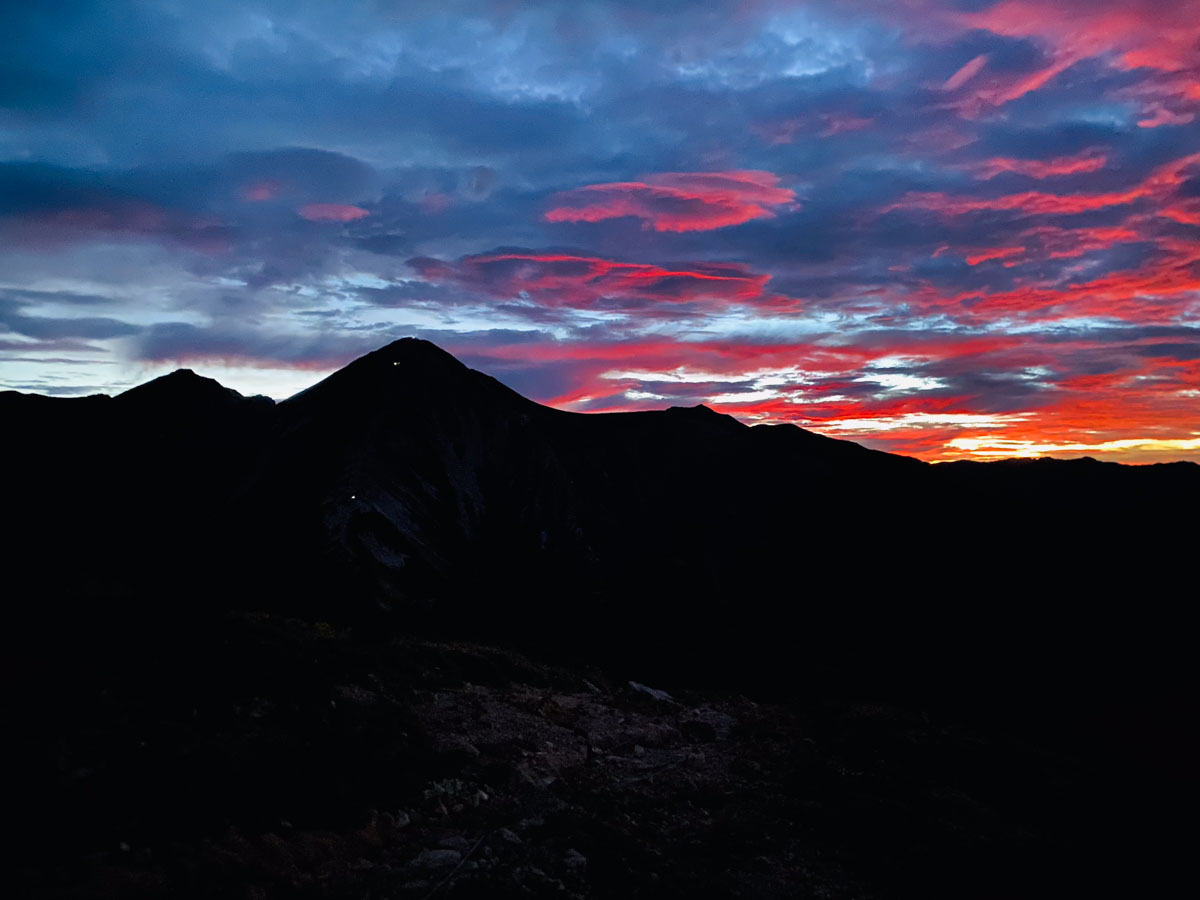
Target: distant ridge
{"x": 183, "y": 386}
{"x": 408, "y": 482}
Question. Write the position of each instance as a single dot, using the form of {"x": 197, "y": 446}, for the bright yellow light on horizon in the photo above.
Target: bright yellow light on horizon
{"x": 997, "y": 447}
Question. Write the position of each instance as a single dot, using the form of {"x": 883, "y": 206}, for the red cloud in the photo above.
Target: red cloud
{"x": 1158, "y": 115}
{"x": 332, "y": 212}
{"x": 1157, "y": 291}
{"x": 821, "y": 386}
{"x": 1143, "y": 33}
{"x": 722, "y": 358}
{"x": 1065, "y": 243}
{"x": 1034, "y": 202}
{"x": 998, "y": 91}
{"x": 966, "y": 73}
{"x": 1039, "y": 168}
{"x": 568, "y": 280}
{"x": 1159, "y": 185}
{"x": 1131, "y": 34}
{"x": 677, "y": 201}
{"x": 982, "y": 256}
{"x": 1186, "y": 212}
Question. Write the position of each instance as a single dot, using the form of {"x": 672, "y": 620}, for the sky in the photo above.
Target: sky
{"x": 945, "y": 228}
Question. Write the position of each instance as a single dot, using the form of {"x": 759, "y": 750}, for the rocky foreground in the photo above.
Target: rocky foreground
{"x": 261, "y": 757}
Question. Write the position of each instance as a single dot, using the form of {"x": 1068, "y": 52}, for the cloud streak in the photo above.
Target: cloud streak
{"x": 676, "y": 201}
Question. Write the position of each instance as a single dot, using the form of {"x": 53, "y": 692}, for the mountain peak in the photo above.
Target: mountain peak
{"x": 406, "y": 364}
{"x": 180, "y": 386}
{"x": 411, "y": 348}
{"x": 702, "y": 416}
{"x": 414, "y": 355}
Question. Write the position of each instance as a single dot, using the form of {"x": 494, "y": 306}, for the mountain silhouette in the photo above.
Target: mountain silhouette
{"x": 228, "y": 614}
{"x": 408, "y": 481}
{"x": 411, "y": 490}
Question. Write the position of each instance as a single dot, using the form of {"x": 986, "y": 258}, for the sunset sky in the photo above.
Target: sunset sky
{"x": 946, "y": 228}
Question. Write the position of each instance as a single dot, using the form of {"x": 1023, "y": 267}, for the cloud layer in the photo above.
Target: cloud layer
{"x": 946, "y": 228}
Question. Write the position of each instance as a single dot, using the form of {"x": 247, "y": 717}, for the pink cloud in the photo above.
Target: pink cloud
{"x": 1159, "y": 185}
{"x": 991, "y": 253}
{"x": 332, "y": 212}
{"x": 567, "y": 280}
{"x": 677, "y": 201}
{"x": 1090, "y": 161}
{"x": 966, "y": 73}
{"x": 1158, "y": 115}
{"x": 260, "y": 191}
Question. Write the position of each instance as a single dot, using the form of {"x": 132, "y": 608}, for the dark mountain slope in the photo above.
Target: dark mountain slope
{"x": 962, "y": 680}
{"x": 409, "y": 482}
{"x": 412, "y": 478}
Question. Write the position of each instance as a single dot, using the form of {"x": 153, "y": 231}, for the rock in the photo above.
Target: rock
{"x": 510, "y": 836}
{"x": 697, "y": 730}
{"x": 661, "y": 696}
{"x": 575, "y": 861}
{"x": 457, "y": 748}
{"x": 437, "y": 859}
{"x": 455, "y": 842}
{"x": 395, "y": 821}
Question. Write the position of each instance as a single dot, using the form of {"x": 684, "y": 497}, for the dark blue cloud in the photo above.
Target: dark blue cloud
{"x": 276, "y": 186}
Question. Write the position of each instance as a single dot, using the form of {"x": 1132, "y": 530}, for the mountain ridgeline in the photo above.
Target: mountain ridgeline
{"x": 409, "y": 491}
{"x": 236, "y": 630}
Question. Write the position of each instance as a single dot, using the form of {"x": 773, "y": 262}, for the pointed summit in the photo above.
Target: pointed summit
{"x": 412, "y": 356}
{"x": 413, "y": 350}
{"x": 408, "y": 369}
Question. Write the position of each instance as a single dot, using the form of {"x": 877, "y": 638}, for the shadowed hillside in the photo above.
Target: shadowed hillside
{"x": 410, "y": 489}
{"x": 227, "y": 611}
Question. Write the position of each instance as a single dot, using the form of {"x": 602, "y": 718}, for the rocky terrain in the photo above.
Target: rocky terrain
{"x": 292, "y": 758}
